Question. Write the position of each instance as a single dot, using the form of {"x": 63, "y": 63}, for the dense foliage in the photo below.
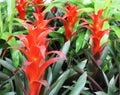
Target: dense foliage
{"x": 59, "y": 47}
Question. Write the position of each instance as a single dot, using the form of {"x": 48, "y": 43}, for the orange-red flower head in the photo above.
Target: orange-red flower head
{"x": 70, "y": 18}
{"x": 21, "y": 7}
{"x": 97, "y": 31}
{"x": 35, "y": 45}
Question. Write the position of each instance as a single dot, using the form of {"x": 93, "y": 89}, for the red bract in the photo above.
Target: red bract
{"x": 39, "y": 44}
{"x": 21, "y": 7}
{"x": 38, "y": 5}
{"x": 38, "y": 32}
{"x": 35, "y": 72}
{"x": 34, "y": 47}
{"x": 40, "y": 20}
{"x": 97, "y": 31}
{"x": 70, "y": 18}
{"x": 40, "y": 23}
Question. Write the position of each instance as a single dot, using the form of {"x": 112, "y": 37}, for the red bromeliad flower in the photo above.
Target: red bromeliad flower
{"x": 21, "y": 7}
{"x": 40, "y": 22}
{"x": 38, "y": 5}
{"x": 35, "y": 72}
{"x": 97, "y": 32}
{"x": 34, "y": 47}
{"x": 70, "y": 18}
{"x": 36, "y": 65}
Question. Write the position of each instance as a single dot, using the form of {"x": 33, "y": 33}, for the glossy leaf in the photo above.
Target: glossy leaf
{"x": 58, "y": 84}
{"x": 3, "y": 76}
{"x": 50, "y": 76}
{"x": 82, "y": 64}
{"x": 11, "y": 12}
{"x": 7, "y": 65}
{"x": 58, "y": 65}
{"x": 10, "y": 93}
{"x": 86, "y": 38}
{"x": 105, "y": 37}
{"x": 49, "y": 79}
{"x": 79, "y": 41}
{"x": 79, "y": 85}
{"x": 6, "y": 88}
{"x": 117, "y": 30}
{"x": 100, "y": 93}
{"x": 76, "y": 2}
{"x": 1, "y": 21}
{"x": 12, "y": 42}
{"x": 86, "y": 92}
{"x": 111, "y": 87}
{"x": 105, "y": 78}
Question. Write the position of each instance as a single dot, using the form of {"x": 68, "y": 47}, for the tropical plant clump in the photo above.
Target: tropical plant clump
{"x": 54, "y": 47}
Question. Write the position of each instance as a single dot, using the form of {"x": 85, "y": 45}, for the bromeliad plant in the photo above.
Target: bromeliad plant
{"x": 36, "y": 39}
{"x": 70, "y": 19}
{"x": 35, "y": 45}
{"x": 97, "y": 33}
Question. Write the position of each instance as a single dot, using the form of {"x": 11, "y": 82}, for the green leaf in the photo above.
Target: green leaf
{"x": 57, "y": 35}
{"x": 58, "y": 65}
{"x": 1, "y": 51}
{"x": 10, "y": 11}
{"x": 3, "y": 76}
{"x": 107, "y": 3}
{"x": 86, "y": 38}
{"x": 87, "y": 9}
{"x": 79, "y": 41}
{"x": 49, "y": 75}
{"x": 1, "y": 21}
{"x": 65, "y": 92}
{"x": 49, "y": 80}
{"x": 117, "y": 15}
{"x": 5, "y": 88}
{"x": 7, "y": 65}
{"x": 100, "y": 93}
{"x": 104, "y": 53}
{"x": 61, "y": 30}
{"x": 105, "y": 68}
{"x": 86, "y": 92}
{"x": 15, "y": 57}
{"x": 16, "y": 54}
{"x": 58, "y": 84}
{"x": 79, "y": 85}
{"x": 82, "y": 64}
{"x": 10, "y": 93}
{"x": 116, "y": 29}
{"x": 105, "y": 77}
{"x": 105, "y": 37}
{"x": 86, "y": 2}
{"x": 11, "y": 42}
{"x": 19, "y": 82}
{"x": 20, "y": 32}
{"x": 76, "y": 2}
{"x": 99, "y": 4}
{"x": 111, "y": 87}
